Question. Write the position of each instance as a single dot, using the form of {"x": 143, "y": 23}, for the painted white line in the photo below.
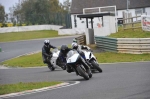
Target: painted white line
{"x": 3, "y": 67}
{"x": 24, "y": 55}
{"x": 38, "y": 90}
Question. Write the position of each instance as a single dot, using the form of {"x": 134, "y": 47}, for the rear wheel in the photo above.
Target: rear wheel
{"x": 96, "y": 65}
{"x": 83, "y": 73}
{"x": 51, "y": 67}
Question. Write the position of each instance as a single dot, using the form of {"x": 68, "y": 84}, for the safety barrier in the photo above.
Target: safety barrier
{"x": 81, "y": 40}
{"x": 29, "y": 28}
{"x": 79, "y": 31}
{"x": 124, "y": 45}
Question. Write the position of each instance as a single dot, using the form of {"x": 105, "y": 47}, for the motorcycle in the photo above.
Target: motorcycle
{"x": 55, "y": 61}
{"x": 74, "y": 60}
{"x": 92, "y": 61}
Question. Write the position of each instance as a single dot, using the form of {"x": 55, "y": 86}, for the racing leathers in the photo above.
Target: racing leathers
{"x": 47, "y": 54}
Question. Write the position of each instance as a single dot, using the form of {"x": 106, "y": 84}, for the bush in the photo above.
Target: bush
{"x": 4, "y": 25}
{"x": 0, "y": 24}
{"x": 9, "y": 24}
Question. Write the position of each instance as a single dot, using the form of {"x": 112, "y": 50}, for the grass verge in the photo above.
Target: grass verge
{"x": 110, "y": 57}
{"x": 138, "y": 33}
{"x": 15, "y": 36}
{"x": 103, "y": 57}
{"x": 32, "y": 60}
{"x": 12, "y": 88}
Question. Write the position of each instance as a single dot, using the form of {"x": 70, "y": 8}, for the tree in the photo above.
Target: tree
{"x": 67, "y": 5}
{"x": 37, "y": 12}
{"x": 2, "y": 14}
{"x": 11, "y": 15}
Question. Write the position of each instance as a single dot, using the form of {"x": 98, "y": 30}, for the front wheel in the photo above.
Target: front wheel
{"x": 82, "y": 73}
{"x": 96, "y": 65}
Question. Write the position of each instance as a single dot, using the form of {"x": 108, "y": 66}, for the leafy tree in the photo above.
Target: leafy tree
{"x": 67, "y": 5}
{"x": 38, "y": 12}
{"x": 2, "y": 14}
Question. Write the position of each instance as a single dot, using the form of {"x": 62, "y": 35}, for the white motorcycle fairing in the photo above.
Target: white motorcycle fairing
{"x": 88, "y": 55}
{"x": 73, "y": 58}
{"x": 54, "y": 58}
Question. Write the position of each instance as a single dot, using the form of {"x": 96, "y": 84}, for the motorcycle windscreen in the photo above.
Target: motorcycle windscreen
{"x": 87, "y": 54}
{"x": 72, "y": 56}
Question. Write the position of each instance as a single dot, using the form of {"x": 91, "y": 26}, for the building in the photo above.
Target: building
{"x": 135, "y": 7}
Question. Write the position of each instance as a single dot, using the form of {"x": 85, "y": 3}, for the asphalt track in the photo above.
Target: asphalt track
{"x": 118, "y": 81}
{"x": 13, "y": 49}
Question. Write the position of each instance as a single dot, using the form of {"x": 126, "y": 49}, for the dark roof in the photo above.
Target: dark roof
{"x": 78, "y": 5}
{"x": 94, "y": 15}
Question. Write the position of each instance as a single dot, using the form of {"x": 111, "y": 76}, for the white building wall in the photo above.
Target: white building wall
{"x": 147, "y": 10}
{"x": 82, "y": 23}
{"x": 119, "y": 13}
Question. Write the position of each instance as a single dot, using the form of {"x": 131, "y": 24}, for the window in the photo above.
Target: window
{"x": 75, "y": 21}
{"x": 138, "y": 11}
{"x": 143, "y": 10}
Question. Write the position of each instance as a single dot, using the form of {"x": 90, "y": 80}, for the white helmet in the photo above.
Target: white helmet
{"x": 46, "y": 42}
{"x": 75, "y": 40}
{"x": 74, "y": 46}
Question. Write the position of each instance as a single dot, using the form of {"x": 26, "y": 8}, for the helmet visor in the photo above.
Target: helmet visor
{"x": 75, "y": 41}
{"x": 46, "y": 44}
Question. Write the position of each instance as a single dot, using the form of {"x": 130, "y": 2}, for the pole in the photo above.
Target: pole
{"x": 128, "y": 9}
{"x": 127, "y": 5}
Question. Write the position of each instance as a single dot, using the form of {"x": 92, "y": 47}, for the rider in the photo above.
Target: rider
{"x": 79, "y": 50}
{"x": 80, "y": 47}
{"x": 63, "y": 53}
{"x": 47, "y": 54}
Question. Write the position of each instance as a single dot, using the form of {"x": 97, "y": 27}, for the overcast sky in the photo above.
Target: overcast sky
{"x": 10, "y": 3}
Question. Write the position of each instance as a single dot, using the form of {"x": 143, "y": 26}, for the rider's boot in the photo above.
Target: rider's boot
{"x": 68, "y": 68}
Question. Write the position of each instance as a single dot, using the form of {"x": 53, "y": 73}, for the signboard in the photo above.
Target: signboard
{"x": 145, "y": 22}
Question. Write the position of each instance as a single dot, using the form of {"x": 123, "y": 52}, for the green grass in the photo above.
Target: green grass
{"x": 18, "y": 87}
{"x": 32, "y": 60}
{"x": 138, "y": 33}
{"x": 15, "y": 36}
{"x": 105, "y": 57}
{"x": 110, "y": 57}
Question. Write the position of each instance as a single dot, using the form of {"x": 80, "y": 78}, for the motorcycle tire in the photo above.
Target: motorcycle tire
{"x": 63, "y": 67}
{"x": 83, "y": 73}
{"x": 90, "y": 74}
{"x": 51, "y": 68}
{"x": 96, "y": 65}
